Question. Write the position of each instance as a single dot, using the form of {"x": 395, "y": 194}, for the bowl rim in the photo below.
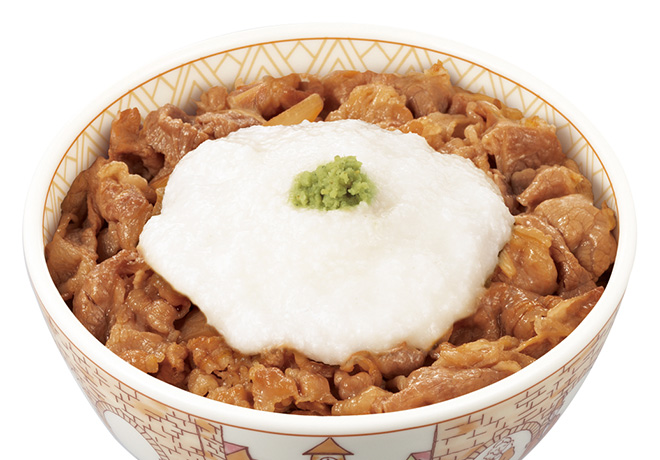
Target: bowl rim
{"x": 54, "y": 308}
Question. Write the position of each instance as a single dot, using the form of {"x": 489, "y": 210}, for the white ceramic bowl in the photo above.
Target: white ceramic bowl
{"x": 157, "y": 421}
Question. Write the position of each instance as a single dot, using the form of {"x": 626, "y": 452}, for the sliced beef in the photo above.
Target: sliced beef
{"x": 149, "y": 352}
{"x": 526, "y": 260}
{"x": 561, "y": 319}
{"x": 169, "y": 131}
{"x": 72, "y": 252}
{"x": 437, "y": 128}
{"x": 212, "y": 100}
{"x": 425, "y": 92}
{"x": 500, "y": 354}
{"x": 125, "y": 202}
{"x": 572, "y": 278}
{"x": 374, "y": 103}
{"x": 586, "y": 229}
{"x": 502, "y": 310}
{"x": 517, "y": 145}
{"x": 463, "y": 99}
{"x": 272, "y": 389}
{"x": 433, "y": 384}
{"x": 269, "y": 96}
{"x": 219, "y": 124}
{"x": 553, "y": 182}
{"x": 338, "y": 85}
{"x": 128, "y": 144}
{"x": 102, "y": 295}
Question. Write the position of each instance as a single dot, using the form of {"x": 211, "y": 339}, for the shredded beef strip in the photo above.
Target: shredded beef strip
{"x": 129, "y": 145}
{"x": 378, "y": 104}
{"x": 586, "y": 229}
{"x": 553, "y": 182}
{"x": 270, "y": 96}
{"x": 517, "y": 145}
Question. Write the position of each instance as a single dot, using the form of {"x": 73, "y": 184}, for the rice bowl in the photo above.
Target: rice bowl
{"x": 578, "y": 350}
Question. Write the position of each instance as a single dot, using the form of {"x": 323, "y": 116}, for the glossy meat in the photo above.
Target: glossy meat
{"x": 586, "y": 229}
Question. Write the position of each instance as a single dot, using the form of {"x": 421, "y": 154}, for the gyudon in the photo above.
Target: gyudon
{"x": 548, "y": 273}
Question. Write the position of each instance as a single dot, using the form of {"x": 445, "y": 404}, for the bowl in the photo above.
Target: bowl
{"x": 154, "y": 420}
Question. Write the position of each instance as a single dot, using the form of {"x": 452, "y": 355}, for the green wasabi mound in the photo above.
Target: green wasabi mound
{"x": 336, "y": 185}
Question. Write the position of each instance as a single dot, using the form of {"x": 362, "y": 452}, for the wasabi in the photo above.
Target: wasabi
{"x": 339, "y": 184}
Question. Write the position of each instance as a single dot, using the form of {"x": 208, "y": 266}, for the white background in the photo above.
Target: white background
{"x": 58, "y": 56}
